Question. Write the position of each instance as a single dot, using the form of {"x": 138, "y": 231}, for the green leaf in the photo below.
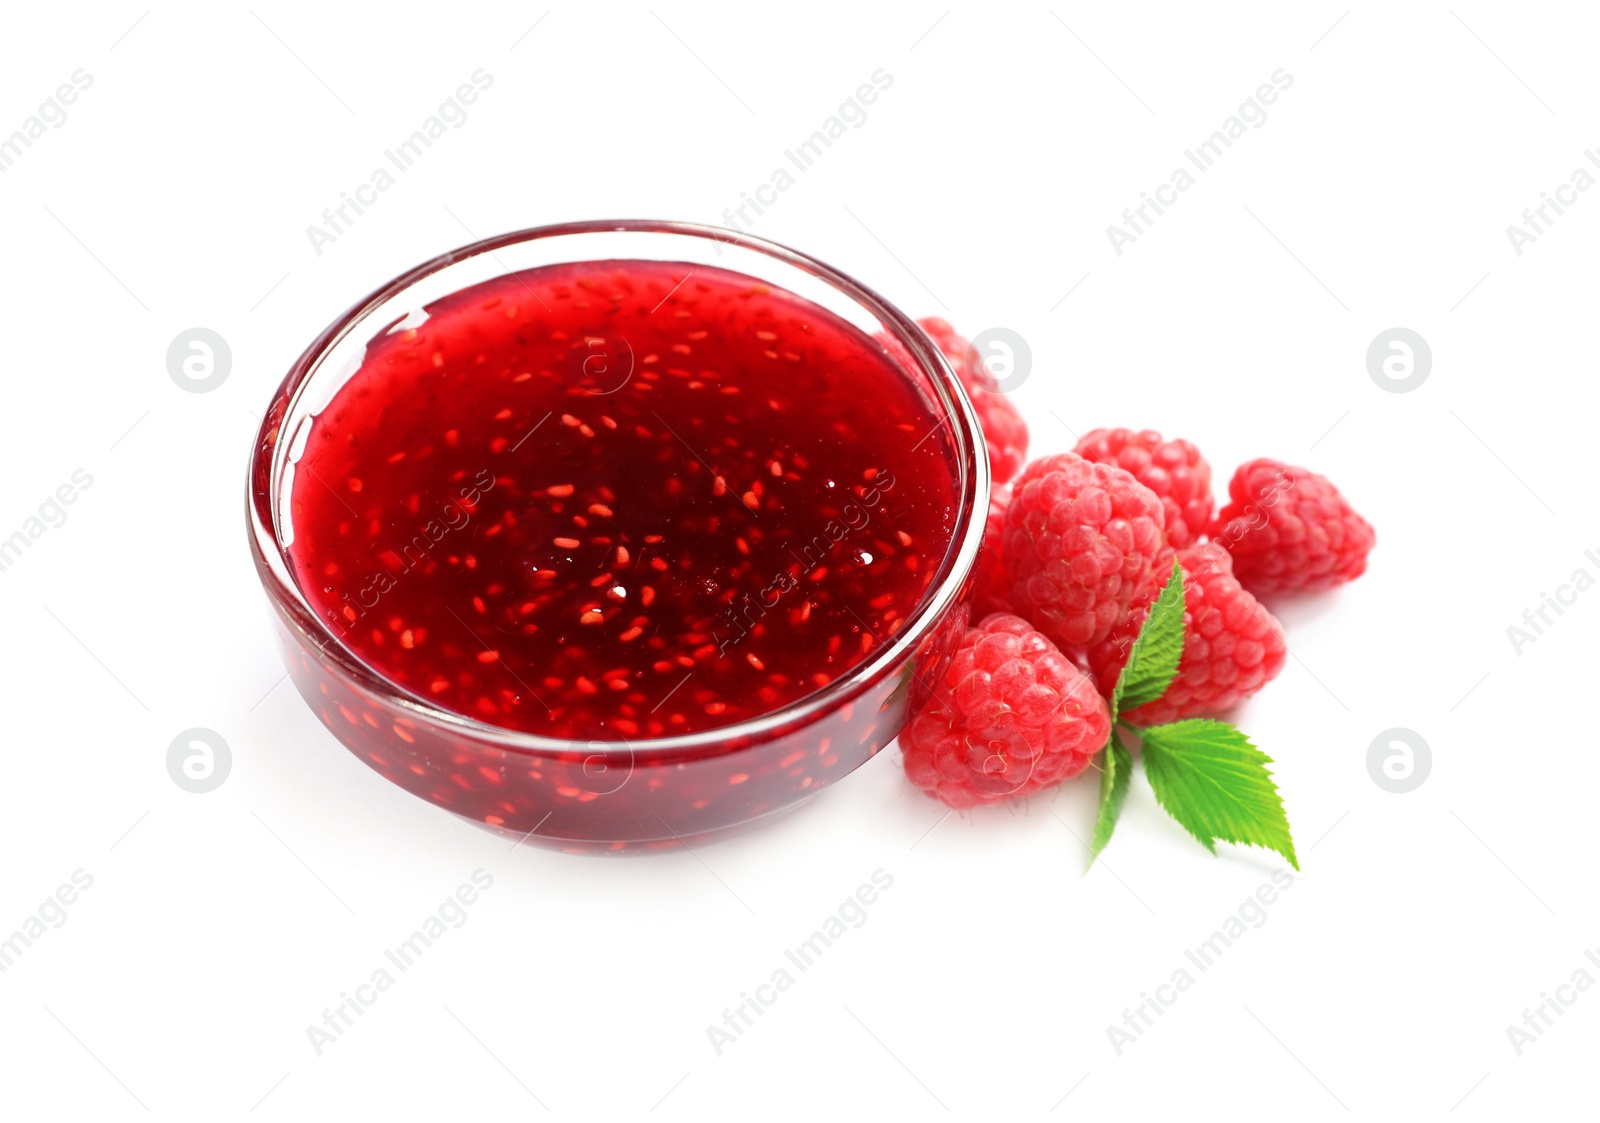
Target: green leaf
{"x": 1116, "y": 770}
{"x": 1153, "y": 661}
{"x": 1212, "y": 780}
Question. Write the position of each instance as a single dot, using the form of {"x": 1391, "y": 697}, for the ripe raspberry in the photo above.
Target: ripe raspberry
{"x": 1011, "y": 717}
{"x": 1083, "y": 542}
{"x": 992, "y": 587}
{"x": 1289, "y": 530}
{"x": 1004, "y": 431}
{"x": 951, "y": 342}
{"x": 1232, "y": 646}
{"x": 1174, "y": 470}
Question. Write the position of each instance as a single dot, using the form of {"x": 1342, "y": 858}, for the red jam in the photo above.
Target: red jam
{"x": 621, "y": 500}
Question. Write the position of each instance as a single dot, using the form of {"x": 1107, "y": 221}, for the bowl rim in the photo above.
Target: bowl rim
{"x": 955, "y": 567}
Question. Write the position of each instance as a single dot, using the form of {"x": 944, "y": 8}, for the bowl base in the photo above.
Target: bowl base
{"x": 629, "y": 847}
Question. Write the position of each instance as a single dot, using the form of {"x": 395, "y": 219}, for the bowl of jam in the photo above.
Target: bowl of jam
{"x": 615, "y": 536}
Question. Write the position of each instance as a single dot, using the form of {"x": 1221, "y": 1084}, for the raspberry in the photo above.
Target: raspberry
{"x": 992, "y": 586}
{"x": 1083, "y": 542}
{"x": 1174, "y": 470}
{"x": 1004, "y": 431}
{"x": 1289, "y": 530}
{"x": 951, "y": 342}
{"x": 1232, "y": 646}
{"x": 1011, "y": 717}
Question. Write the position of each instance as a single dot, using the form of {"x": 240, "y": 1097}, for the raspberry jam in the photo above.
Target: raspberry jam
{"x": 619, "y": 501}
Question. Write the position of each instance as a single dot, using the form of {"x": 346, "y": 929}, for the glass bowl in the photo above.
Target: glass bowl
{"x": 614, "y": 796}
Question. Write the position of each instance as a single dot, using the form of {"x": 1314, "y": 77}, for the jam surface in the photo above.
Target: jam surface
{"x": 620, "y": 500}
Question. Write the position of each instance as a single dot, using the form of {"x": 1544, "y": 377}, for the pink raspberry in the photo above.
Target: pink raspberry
{"x": 1083, "y": 542}
{"x": 1004, "y": 431}
{"x": 1011, "y": 717}
{"x": 1174, "y": 470}
{"x": 992, "y": 586}
{"x": 1289, "y": 530}
{"x": 1232, "y": 646}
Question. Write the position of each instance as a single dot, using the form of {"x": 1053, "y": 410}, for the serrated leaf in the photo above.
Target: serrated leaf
{"x": 1209, "y": 777}
{"x": 1153, "y": 660}
{"x": 1116, "y": 771}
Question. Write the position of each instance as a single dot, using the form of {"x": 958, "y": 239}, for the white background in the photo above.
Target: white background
{"x": 1377, "y": 194}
